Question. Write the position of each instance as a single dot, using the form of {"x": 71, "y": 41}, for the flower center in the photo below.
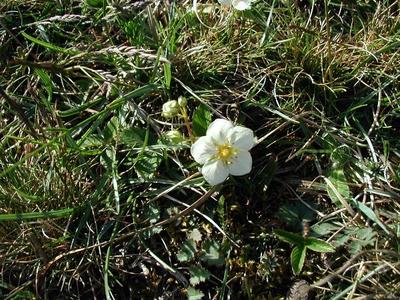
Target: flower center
{"x": 225, "y": 152}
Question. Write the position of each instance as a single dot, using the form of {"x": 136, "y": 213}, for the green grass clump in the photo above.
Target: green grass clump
{"x": 97, "y": 200}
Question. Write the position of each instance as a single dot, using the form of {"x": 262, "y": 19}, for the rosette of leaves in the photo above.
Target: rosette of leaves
{"x": 301, "y": 245}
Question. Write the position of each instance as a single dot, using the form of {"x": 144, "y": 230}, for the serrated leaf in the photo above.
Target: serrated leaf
{"x": 341, "y": 239}
{"x": 212, "y": 254}
{"x": 339, "y": 186}
{"x": 198, "y": 274}
{"x": 150, "y": 232}
{"x": 370, "y": 214}
{"x": 201, "y": 119}
{"x": 152, "y": 212}
{"x": 324, "y": 228}
{"x": 360, "y": 238}
{"x": 92, "y": 141}
{"x": 195, "y": 235}
{"x": 318, "y": 245}
{"x": 366, "y": 233}
{"x": 194, "y": 294}
{"x": 289, "y": 237}
{"x": 187, "y": 251}
{"x": 147, "y": 164}
{"x": 297, "y": 258}
{"x": 111, "y": 129}
{"x": 133, "y": 136}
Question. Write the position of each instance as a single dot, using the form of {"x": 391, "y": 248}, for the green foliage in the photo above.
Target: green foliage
{"x": 301, "y": 244}
{"x": 133, "y": 137}
{"x": 289, "y": 237}
{"x": 147, "y": 163}
{"x": 96, "y": 3}
{"x": 318, "y": 245}
{"x": 194, "y": 294}
{"x": 187, "y": 251}
{"x": 295, "y": 213}
{"x": 356, "y": 239}
{"x": 212, "y": 253}
{"x": 198, "y": 274}
{"x": 201, "y": 119}
{"x": 297, "y": 258}
{"x": 369, "y": 213}
{"x": 338, "y": 187}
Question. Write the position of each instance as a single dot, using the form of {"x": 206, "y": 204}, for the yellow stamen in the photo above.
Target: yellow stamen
{"x": 225, "y": 153}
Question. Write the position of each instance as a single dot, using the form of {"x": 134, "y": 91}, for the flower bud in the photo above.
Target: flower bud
{"x": 174, "y": 136}
{"x": 182, "y": 101}
{"x": 170, "y": 109}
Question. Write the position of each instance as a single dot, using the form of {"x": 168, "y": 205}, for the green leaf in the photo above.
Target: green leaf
{"x": 362, "y": 238}
{"x": 49, "y": 45}
{"x": 198, "y": 274}
{"x": 341, "y": 239}
{"x": 61, "y": 213}
{"x": 221, "y": 209}
{"x": 195, "y": 235}
{"x": 212, "y": 254}
{"x": 201, "y": 120}
{"x": 370, "y": 214}
{"x": 194, "y": 294}
{"x": 289, "y": 237}
{"x": 294, "y": 213}
{"x": 339, "y": 182}
{"x": 133, "y": 136}
{"x": 318, "y": 245}
{"x": 187, "y": 251}
{"x": 324, "y": 228}
{"x": 150, "y": 232}
{"x": 96, "y": 3}
{"x": 78, "y": 110}
{"x": 297, "y": 258}
{"x": 111, "y": 129}
{"x": 152, "y": 212}
{"x": 167, "y": 75}
{"x": 147, "y": 164}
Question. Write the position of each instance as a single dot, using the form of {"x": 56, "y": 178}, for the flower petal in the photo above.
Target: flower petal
{"x": 218, "y": 130}
{"x": 241, "y": 4}
{"x": 203, "y": 150}
{"x": 215, "y": 172}
{"x": 241, "y": 165}
{"x": 241, "y": 137}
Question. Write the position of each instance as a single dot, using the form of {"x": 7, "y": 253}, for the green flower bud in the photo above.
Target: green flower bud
{"x": 174, "y": 136}
{"x": 182, "y": 101}
{"x": 170, "y": 109}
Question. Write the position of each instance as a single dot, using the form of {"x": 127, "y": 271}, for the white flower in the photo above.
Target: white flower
{"x": 237, "y": 4}
{"x": 224, "y": 150}
{"x": 241, "y": 4}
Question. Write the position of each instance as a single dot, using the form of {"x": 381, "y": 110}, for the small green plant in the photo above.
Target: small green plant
{"x": 301, "y": 244}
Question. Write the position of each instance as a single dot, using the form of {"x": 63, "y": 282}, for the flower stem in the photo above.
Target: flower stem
{"x": 187, "y": 121}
